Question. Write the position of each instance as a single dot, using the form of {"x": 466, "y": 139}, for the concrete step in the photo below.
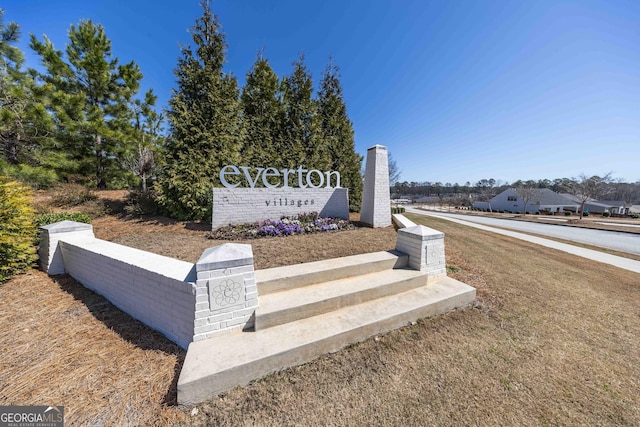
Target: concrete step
{"x": 293, "y": 276}
{"x": 215, "y": 365}
{"x": 298, "y": 303}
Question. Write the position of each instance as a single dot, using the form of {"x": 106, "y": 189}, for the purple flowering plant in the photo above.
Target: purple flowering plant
{"x": 304, "y": 223}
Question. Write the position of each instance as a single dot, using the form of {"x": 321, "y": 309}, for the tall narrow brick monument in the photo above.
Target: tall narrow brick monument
{"x": 376, "y": 199}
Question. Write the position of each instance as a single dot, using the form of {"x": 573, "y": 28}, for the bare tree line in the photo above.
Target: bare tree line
{"x": 607, "y": 188}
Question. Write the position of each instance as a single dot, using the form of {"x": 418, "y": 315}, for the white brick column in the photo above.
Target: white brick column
{"x": 425, "y": 247}
{"x": 226, "y": 291}
{"x": 50, "y": 252}
{"x": 376, "y": 197}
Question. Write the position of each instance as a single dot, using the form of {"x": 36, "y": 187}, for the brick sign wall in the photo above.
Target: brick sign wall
{"x": 247, "y": 205}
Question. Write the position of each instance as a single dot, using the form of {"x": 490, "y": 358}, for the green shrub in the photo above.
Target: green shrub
{"x": 567, "y": 213}
{"x": 606, "y": 214}
{"x": 17, "y": 229}
{"x": 585, "y": 214}
{"x": 634, "y": 215}
{"x": 51, "y": 218}
{"x": 397, "y": 210}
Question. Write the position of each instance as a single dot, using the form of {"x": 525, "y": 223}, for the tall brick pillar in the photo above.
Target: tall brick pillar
{"x": 376, "y": 198}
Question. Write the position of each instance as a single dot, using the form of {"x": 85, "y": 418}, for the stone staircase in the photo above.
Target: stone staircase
{"x": 307, "y": 310}
{"x": 323, "y": 287}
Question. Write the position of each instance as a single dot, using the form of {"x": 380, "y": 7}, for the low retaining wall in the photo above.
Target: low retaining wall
{"x": 154, "y": 289}
{"x": 248, "y": 205}
{"x": 190, "y": 302}
{"x": 186, "y": 302}
{"x": 401, "y": 221}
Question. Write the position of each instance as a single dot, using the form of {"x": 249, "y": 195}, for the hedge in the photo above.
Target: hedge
{"x": 17, "y": 229}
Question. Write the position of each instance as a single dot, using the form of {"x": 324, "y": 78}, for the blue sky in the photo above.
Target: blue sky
{"x": 458, "y": 90}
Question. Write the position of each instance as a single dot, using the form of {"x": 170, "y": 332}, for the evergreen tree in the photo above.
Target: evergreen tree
{"x": 263, "y": 114}
{"x": 205, "y": 123}
{"x": 302, "y": 144}
{"x": 10, "y": 55}
{"x": 89, "y": 96}
{"x": 26, "y": 134}
{"x": 146, "y": 138}
{"x": 12, "y": 97}
{"x": 25, "y": 126}
{"x": 337, "y": 134}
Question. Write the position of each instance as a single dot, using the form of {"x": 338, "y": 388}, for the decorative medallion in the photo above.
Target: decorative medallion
{"x": 226, "y": 291}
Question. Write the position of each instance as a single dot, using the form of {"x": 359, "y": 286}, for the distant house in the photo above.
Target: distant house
{"x": 543, "y": 200}
{"x": 615, "y": 207}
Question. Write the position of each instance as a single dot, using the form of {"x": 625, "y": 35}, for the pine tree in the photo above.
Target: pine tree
{"x": 205, "y": 123}
{"x": 263, "y": 114}
{"x": 89, "y": 96}
{"x": 146, "y": 139}
{"x": 337, "y": 134}
{"x": 25, "y": 127}
{"x": 10, "y": 55}
{"x": 12, "y": 94}
{"x": 302, "y": 144}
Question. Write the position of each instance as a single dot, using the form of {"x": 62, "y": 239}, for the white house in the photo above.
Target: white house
{"x": 615, "y": 207}
{"x": 543, "y": 200}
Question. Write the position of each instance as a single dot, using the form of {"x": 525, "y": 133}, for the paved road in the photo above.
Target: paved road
{"x": 624, "y": 242}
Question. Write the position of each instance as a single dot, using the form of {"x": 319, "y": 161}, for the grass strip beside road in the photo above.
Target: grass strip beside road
{"x": 415, "y": 218}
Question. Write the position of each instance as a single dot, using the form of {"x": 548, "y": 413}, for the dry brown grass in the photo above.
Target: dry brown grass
{"x": 552, "y": 340}
{"x": 188, "y": 241}
{"x": 65, "y": 345}
{"x": 581, "y": 245}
